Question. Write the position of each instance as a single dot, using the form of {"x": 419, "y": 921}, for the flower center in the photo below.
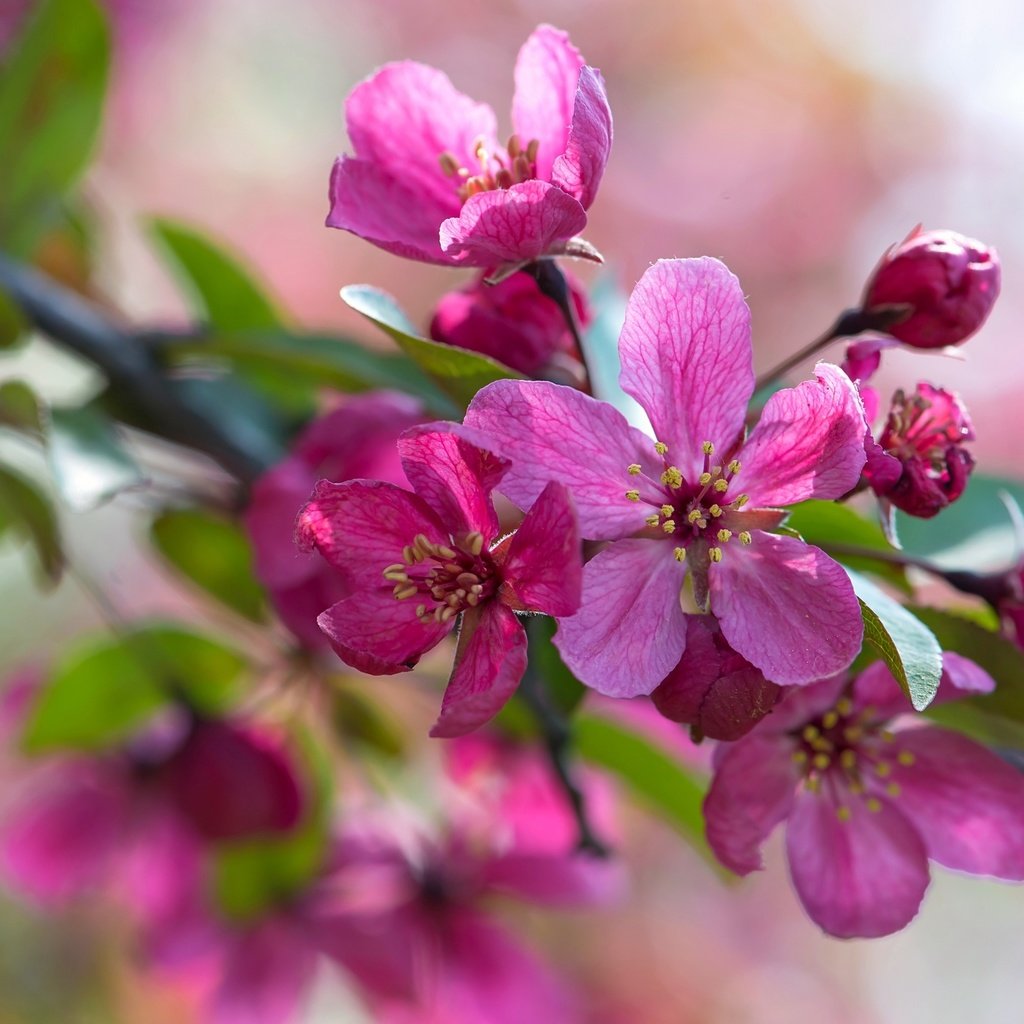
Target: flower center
{"x": 496, "y": 170}
{"x": 448, "y": 580}
{"x": 845, "y": 753}
{"x": 925, "y": 425}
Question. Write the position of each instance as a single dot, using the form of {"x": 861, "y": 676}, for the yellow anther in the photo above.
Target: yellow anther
{"x": 634, "y": 469}
{"x": 421, "y": 610}
{"x": 905, "y": 758}
{"x": 679, "y": 553}
{"x": 883, "y": 768}
{"x": 715, "y": 510}
{"x": 707, "y": 448}
{"x": 704, "y": 479}
{"x": 633, "y": 495}
{"x": 514, "y": 146}
{"x": 867, "y": 714}
{"x": 734, "y": 466}
{"x": 810, "y": 732}
{"x": 669, "y": 526}
{"x": 853, "y": 733}
{"x": 800, "y": 757}
{"x": 829, "y": 719}
{"x": 472, "y": 600}
{"x": 672, "y": 477}
{"x": 848, "y": 758}
{"x": 812, "y": 783}
{"x": 741, "y": 500}
{"x": 821, "y": 761}
{"x": 531, "y": 149}
{"x": 843, "y": 812}
{"x": 402, "y": 591}
{"x": 447, "y": 614}
{"x": 660, "y": 447}
{"x": 474, "y": 542}
{"x": 667, "y": 510}
{"x": 715, "y": 554}
{"x": 395, "y": 567}
{"x": 893, "y": 789}
{"x": 823, "y": 744}
{"x": 745, "y": 537}
{"x": 453, "y": 600}
{"x": 449, "y": 165}
{"x": 423, "y": 543}
{"x": 694, "y": 515}
{"x": 396, "y": 577}
{"x": 652, "y": 520}
{"x": 844, "y": 705}
{"x": 721, "y": 486}
{"x": 887, "y": 736}
{"x": 724, "y": 535}
{"x": 411, "y": 555}
{"x": 874, "y": 805}
{"x": 445, "y": 552}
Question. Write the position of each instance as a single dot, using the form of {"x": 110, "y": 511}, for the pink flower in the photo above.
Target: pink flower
{"x": 512, "y": 321}
{"x": 950, "y": 284}
{"x": 416, "y": 561}
{"x": 429, "y": 180}
{"x": 919, "y": 463}
{"x": 865, "y": 807}
{"x": 675, "y": 505}
{"x": 358, "y": 439}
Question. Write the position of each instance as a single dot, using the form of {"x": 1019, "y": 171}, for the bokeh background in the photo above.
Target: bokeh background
{"x": 796, "y": 140}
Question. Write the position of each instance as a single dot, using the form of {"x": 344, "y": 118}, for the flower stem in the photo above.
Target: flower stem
{"x": 552, "y": 283}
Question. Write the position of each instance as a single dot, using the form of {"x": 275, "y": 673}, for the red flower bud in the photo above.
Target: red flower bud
{"x": 949, "y": 282}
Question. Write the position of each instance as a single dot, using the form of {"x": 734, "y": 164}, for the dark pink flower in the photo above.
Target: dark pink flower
{"x": 950, "y": 284}
{"x": 358, "y": 439}
{"x": 512, "y": 321}
{"x": 430, "y": 181}
{"x": 865, "y": 807}
{"x": 919, "y": 463}
{"x": 700, "y": 499}
{"x": 417, "y": 561}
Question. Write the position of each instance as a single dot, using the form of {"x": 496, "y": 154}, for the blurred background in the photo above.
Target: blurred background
{"x": 796, "y": 141}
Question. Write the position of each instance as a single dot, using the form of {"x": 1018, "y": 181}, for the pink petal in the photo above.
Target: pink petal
{"x": 964, "y": 676}
{"x": 378, "y": 634}
{"x": 580, "y": 168}
{"x": 298, "y": 607}
{"x": 550, "y": 432}
{"x": 630, "y": 629}
{"x": 752, "y": 791}
{"x": 863, "y": 877}
{"x": 453, "y": 475}
{"x": 512, "y": 225}
{"x": 875, "y": 688}
{"x": 686, "y": 357}
{"x": 966, "y": 802}
{"x": 361, "y": 526}
{"x": 544, "y": 569}
{"x": 803, "y": 704}
{"x": 572, "y": 880}
{"x": 787, "y": 608}
{"x": 489, "y": 663}
{"x": 809, "y": 442}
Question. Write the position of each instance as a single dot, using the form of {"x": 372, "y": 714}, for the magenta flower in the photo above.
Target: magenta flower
{"x": 355, "y": 440}
{"x": 700, "y": 499}
{"x": 416, "y": 561}
{"x": 865, "y": 807}
{"x": 429, "y": 180}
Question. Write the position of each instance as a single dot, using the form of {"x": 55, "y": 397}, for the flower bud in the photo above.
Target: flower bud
{"x": 949, "y": 283}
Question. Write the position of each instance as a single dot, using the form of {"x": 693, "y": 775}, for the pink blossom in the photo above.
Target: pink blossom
{"x": 866, "y": 808}
{"x": 675, "y": 505}
{"x": 357, "y": 439}
{"x": 512, "y": 322}
{"x": 417, "y": 561}
{"x": 430, "y": 181}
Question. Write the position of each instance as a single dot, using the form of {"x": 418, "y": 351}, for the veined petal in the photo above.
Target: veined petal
{"x": 809, "y": 442}
{"x": 686, "y": 356}
{"x": 630, "y": 629}
{"x": 787, "y": 608}
{"x": 490, "y": 661}
{"x": 860, "y": 876}
{"x": 512, "y": 225}
{"x": 550, "y": 432}
{"x": 580, "y": 168}
{"x": 544, "y": 568}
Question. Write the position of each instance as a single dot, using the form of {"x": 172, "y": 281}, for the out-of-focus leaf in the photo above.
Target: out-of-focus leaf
{"x": 89, "y": 464}
{"x": 563, "y": 688}
{"x": 13, "y": 327}
{"x": 215, "y": 554}
{"x": 826, "y": 523}
{"x": 52, "y": 87}
{"x": 20, "y": 408}
{"x": 66, "y": 249}
{"x": 24, "y": 509}
{"x": 459, "y": 372}
{"x": 357, "y": 719}
{"x": 906, "y": 645}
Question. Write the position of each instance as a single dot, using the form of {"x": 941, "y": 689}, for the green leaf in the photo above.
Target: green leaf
{"x": 906, "y": 645}
{"x": 358, "y": 719}
{"x": 20, "y": 408}
{"x": 52, "y": 87}
{"x": 827, "y": 523}
{"x": 563, "y": 688}
{"x": 24, "y": 509}
{"x": 13, "y": 326}
{"x": 655, "y": 776}
{"x": 460, "y": 372}
{"x": 88, "y": 463}
{"x": 215, "y": 554}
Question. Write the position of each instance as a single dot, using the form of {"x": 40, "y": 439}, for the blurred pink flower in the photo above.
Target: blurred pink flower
{"x": 417, "y": 560}
{"x": 867, "y": 808}
{"x": 429, "y": 180}
{"x": 672, "y": 505}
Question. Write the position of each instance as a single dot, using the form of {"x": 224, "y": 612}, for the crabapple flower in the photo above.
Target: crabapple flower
{"x": 357, "y": 439}
{"x": 919, "y": 463}
{"x": 512, "y": 321}
{"x": 867, "y": 803}
{"x": 698, "y": 500}
{"x": 416, "y": 561}
{"x": 430, "y": 181}
{"x": 948, "y": 282}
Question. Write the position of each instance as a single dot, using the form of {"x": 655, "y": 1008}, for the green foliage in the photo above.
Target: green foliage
{"x": 52, "y": 88}
{"x": 215, "y": 554}
{"x": 906, "y": 645}
{"x": 563, "y": 688}
{"x": 12, "y": 323}
{"x": 359, "y": 720}
{"x": 26, "y": 511}
{"x": 459, "y": 372}
{"x": 20, "y": 408}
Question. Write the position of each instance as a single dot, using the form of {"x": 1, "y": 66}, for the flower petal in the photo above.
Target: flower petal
{"x": 809, "y": 442}
{"x": 787, "y": 608}
{"x": 512, "y": 225}
{"x": 490, "y": 662}
{"x": 630, "y": 629}
{"x": 966, "y": 802}
{"x": 752, "y": 791}
{"x": 453, "y": 475}
{"x": 544, "y": 569}
{"x": 550, "y": 432}
{"x": 580, "y": 168}
{"x": 686, "y": 356}
{"x": 861, "y": 877}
